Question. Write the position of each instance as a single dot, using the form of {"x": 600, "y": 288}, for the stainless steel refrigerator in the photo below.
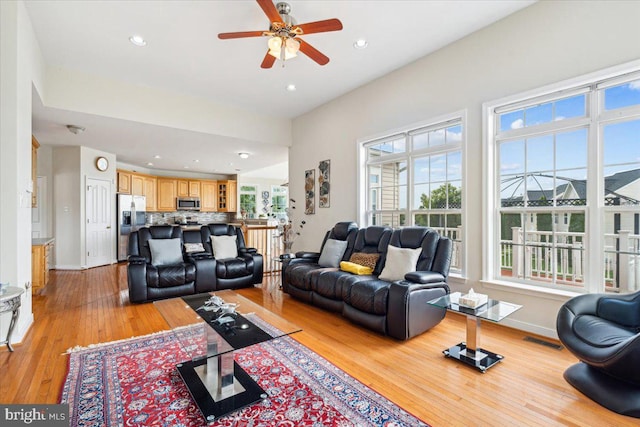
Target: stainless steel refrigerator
{"x": 131, "y": 216}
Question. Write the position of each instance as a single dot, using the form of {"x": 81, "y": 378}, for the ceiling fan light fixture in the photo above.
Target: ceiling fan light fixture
{"x": 291, "y": 47}
{"x": 243, "y": 155}
{"x": 291, "y": 87}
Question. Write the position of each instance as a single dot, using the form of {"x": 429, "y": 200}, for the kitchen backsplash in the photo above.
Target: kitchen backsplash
{"x": 161, "y": 218}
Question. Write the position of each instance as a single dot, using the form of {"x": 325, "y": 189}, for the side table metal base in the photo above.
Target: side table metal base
{"x": 480, "y": 359}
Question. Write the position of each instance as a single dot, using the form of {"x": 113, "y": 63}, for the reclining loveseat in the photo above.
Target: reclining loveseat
{"x": 403, "y": 269}
{"x": 166, "y": 262}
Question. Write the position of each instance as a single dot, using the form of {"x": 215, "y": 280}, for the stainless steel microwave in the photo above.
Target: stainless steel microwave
{"x": 188, "y": 203}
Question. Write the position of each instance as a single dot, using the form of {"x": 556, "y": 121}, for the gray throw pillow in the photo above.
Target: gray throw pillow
{"x": 165, "y": 251}
{"x": 332, "y": 253}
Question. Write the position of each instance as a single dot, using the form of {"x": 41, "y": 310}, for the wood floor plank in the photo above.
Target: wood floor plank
{"x": 526, "y": 389}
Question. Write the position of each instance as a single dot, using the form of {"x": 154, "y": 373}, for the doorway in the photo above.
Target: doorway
{"x": 99, "y": 234}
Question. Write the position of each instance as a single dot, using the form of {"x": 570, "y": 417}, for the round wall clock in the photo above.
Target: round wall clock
{"x": 102, "y": 163}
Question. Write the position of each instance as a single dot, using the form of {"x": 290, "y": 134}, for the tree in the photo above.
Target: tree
{"x": 439, "y": 197}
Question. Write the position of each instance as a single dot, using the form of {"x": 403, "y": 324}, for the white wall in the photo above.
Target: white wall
{"x": 542, "y": 44}
{"x": 45, "y": 168}
{"x": 20, "y": 69}
{"x": 71, "y": 168}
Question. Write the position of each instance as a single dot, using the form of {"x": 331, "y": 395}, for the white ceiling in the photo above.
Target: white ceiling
{"x": 184, "y": 56}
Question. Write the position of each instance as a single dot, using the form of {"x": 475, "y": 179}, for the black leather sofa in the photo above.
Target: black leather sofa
{"x": 195, "y": 272}
{"x": 395, "y": 308}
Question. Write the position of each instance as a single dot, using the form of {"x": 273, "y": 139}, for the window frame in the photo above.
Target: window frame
{"x": 458, "y": 118}
{"x": 595, "y": 120}
{"x": 254, "y": 193}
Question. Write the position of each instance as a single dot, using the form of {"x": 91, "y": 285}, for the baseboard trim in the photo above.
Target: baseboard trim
{"x": 68, "y": 267}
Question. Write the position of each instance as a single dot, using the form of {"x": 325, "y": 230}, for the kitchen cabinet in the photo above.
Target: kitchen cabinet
{"x": 188, "y": 188}
{"x": 40, "y": 252}
{"x": 227, "y": 196}
{"x": 150, "y": 192}
{"x": 137, "y": 185}
{"x": 124, "y": 182}
{"x": 34, "y": 171}
{"x": 167, "y": 193}
{"x": 208, "y": 196}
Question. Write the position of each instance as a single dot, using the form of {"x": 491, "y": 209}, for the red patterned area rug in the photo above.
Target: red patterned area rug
{"x": 134, "y": 382}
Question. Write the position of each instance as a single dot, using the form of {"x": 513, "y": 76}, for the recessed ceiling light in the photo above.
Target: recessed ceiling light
{"x": 186, "y": 167}
{"x": 360, "y": 44}
{"x": 231, "y": 164}
{"x": 157, "y": 156}
{"x": 291, "y": 88}
{"x": 243, "y": 155}
{"x": 196, "y": 161}
{"x": 149, "y": 164}
{"x": 137, "y": 40}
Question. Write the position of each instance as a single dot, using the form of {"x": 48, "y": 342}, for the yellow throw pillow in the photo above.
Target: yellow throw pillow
{"x": 355, "y": 268}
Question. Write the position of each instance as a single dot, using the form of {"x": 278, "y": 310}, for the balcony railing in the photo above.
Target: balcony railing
{"x": 560, "y": 258}
{"x": 268, "y": 243}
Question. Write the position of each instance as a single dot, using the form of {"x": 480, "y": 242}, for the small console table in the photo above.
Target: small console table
{"x": 10, "y": 301}
{"x": 469, "y": 352}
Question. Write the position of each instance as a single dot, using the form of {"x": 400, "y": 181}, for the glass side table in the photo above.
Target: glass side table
{"x": 469, "y": 352}
{"x": 10, "y": 301}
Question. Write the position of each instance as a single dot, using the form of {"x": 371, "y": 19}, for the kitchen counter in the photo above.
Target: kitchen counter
{"x": 42, "y": 241}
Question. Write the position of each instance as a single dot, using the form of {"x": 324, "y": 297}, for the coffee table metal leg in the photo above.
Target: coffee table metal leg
{"x": 470, "y": 352}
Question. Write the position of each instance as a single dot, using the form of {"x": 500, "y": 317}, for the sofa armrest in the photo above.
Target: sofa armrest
{"x": 137, "y": 280}
{"x": 408, "y": 313}
{"x": 251, "y": 251}
{"x": 205, "y": 271}
{"x": 137, "y": 259}
{"x": 308, "y": 255}
{"x": 425, "y": 277}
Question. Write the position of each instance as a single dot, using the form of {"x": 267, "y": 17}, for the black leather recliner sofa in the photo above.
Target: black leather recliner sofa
{"x": 603, "y": 332}
{"x": 399, "y": 308}
{"x": 195, "y": 272}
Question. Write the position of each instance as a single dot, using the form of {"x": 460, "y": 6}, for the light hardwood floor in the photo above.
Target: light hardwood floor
{"x": 526, "y": 389}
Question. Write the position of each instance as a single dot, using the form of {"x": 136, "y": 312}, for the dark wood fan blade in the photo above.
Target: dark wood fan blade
{"x": 312, "y": 52}
{"x": 270, "y": 10}
{"x": 268, "y": 61}
{"x": 321, "y": 26}
{"x": 240, "y": 34}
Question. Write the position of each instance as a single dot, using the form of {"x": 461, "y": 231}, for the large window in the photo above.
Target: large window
{"x": 566, "y": 174}
{"x": 248, "y": 196}
{"x": 415, "y": 178}
{"x": 279, "y": 201}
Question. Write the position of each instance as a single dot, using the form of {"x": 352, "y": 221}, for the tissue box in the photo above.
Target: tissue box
{"x": 473, "y": 300}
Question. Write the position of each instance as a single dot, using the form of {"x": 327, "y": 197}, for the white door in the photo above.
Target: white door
{"x": 99, "y": 235}
{"x": 39, "y": 213}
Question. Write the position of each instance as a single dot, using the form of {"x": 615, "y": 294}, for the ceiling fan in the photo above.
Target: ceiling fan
{"x": 284, "y": 33}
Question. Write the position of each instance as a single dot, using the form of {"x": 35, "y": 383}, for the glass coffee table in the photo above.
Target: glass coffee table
{"x": 218, "y": 384}
{"x": 469, "y": 351}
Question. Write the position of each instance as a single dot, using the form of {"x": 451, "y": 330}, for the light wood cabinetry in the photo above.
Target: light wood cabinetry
{"x": 227, "y": 196}
{"x": 161, "y": 192}
{"x": 150, "y": 192}
{"x": 208, "y": 196}
{"x": 137, "y": 185}
{"x": 40, "y": 252}
{"x": 124, "y": 182}
{"x": 167, "y": 191}
{"x": 188, "y": 188}
{"x": 34, "y": 171}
